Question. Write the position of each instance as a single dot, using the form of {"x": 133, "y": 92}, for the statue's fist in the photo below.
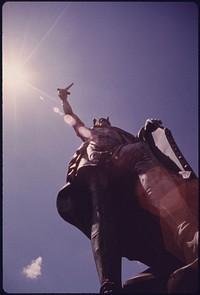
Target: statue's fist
{"x": 62, "y": 93}
{"x": 152, "y": 124}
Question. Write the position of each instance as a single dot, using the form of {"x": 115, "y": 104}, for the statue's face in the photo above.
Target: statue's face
{"x": 102, "y": 122}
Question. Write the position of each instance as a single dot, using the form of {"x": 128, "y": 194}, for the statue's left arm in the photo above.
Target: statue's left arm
{"x": 149, "y": 126}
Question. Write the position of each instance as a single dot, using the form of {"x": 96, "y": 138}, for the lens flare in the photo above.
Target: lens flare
{"x": 85, "y": 132}
{"x": 69, "y": 120}
{"x": 56, "y": 110}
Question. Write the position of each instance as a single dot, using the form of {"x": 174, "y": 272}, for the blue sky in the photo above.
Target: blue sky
{"x": 129, "y": 61}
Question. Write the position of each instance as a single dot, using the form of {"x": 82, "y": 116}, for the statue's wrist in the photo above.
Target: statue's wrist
{"x": 64, "y": 99}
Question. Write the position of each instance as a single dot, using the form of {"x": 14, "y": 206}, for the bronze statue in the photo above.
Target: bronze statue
{"x": 132, "y": 199}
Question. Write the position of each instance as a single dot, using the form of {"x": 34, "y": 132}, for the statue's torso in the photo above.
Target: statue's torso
{"x": 103, "y": 144}
{"x": 105, "y": 138}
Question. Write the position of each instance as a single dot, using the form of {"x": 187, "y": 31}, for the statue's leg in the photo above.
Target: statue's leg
{"x": 162, "y": 197}
{"x": 105, "y": 235}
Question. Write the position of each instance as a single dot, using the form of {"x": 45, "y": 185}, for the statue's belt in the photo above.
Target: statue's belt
{"x": 100, "y": 156}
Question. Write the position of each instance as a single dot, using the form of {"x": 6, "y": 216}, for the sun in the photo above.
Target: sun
{"x": 15, "y": 76}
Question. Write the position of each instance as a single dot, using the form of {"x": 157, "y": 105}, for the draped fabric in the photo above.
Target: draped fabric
{"x": 74, "y": 203}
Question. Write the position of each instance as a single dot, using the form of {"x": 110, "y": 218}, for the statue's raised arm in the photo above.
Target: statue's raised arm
{"x": 72, "y": 118}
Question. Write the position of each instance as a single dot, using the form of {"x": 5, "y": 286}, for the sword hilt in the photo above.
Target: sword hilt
{"x": 67, "y": 88}
{"x": 58, "y": 89}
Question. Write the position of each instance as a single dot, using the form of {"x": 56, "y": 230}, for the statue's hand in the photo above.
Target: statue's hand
{"x": 62, "y": 93}
{"x": 152, "y": 124}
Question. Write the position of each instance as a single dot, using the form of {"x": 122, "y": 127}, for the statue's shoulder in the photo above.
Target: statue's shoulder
{"x": 124, "y": 133}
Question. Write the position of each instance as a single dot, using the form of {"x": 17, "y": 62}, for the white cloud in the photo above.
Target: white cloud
{"x": 33, "y": 270}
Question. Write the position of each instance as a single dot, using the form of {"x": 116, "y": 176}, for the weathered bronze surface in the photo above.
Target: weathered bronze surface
{"x": 134, "y": 197}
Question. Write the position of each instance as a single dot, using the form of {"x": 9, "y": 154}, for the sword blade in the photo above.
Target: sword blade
{"x": 67, "y": 88}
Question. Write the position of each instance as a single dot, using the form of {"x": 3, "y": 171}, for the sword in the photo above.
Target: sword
{"x": 67, "y": 88}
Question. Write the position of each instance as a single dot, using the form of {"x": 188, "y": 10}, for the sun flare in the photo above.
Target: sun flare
{"x": 14, "y": 75}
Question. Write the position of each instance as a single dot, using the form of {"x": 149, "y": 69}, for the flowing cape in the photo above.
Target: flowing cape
{"x": 73, "y": 202}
